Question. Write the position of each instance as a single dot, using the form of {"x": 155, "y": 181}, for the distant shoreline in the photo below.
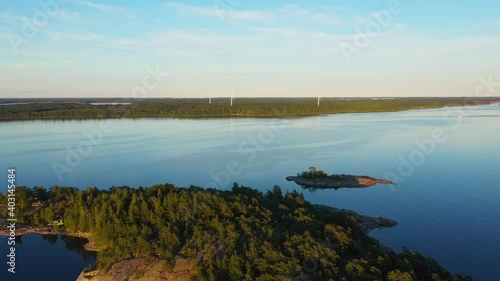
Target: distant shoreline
{"x": 78, "y": 109}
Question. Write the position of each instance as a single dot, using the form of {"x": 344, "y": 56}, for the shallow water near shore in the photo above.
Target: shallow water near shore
{"x": 45, "y": 257}
{"x": 445, "y": 201}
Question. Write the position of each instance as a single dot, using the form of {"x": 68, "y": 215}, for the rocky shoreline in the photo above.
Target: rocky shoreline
{"x": 337, "y": 181}
{"x": 366, "y": 223}
{"x": 136, "y": 269}
{"x": 89, "y": 246}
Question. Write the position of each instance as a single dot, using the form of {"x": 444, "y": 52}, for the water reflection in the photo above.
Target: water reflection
{"x": 52, "y": 239}
{"x": 450, "y": 194}
{"x": 47, "y": 257}
{"x": 76, "y": 244}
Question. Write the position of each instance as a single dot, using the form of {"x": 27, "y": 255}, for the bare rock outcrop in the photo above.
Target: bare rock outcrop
{"x": 137, "y": 269}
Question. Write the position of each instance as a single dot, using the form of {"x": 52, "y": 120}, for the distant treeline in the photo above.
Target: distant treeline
{"x": 241, "y": 234}
{"x": 251, "y": 107}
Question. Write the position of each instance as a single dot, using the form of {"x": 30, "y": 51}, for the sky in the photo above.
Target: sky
{"x": 356, "y": 48}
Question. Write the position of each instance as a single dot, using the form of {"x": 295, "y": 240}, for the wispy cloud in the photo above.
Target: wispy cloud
{"x": 12, "y": 17}
{"x": 106, "y": 8}
{"x": 72, "y": 36}
{"x": 68, "y": 15}
{"x": 291, "y": 46}
{"x": 324, "y": 15}
{"x": 327, "y": 15}
{"x": 182, "y": 44}
{"x": 30, "y": 65}
{"x": 243, "y": 15}
{"x": 62, "y": 14}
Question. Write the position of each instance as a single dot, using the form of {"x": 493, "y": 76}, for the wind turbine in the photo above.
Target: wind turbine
{"x": 232, "y": 97}
{"x": 319, "y": 98}
{"x": 209, "y": 99}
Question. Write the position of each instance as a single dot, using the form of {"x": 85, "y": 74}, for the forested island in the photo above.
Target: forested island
{"x": 319, "y": 179}
{"x": 22, "y": 109}
{"x": 165, "y": 232}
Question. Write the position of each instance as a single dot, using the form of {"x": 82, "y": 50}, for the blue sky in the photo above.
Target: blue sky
{"x": 83, "y": 48}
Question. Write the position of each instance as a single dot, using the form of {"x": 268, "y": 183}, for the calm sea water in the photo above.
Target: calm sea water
{"x": 445, "y": 163}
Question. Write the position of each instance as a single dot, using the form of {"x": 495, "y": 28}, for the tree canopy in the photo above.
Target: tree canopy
{"x": 241, "y": 234}
{"x": 220, "y": 107}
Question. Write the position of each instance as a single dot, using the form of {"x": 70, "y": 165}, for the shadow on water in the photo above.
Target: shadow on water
{"x": 76, "y": 244}
{"x": 73, "y": 244}
{"x": 47, "y": 257}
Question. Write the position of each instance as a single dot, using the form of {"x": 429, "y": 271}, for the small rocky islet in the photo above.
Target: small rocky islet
{"x": 318, "y": 179}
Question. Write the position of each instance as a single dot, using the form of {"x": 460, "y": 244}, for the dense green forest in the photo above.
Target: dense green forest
{"x": 251, "y": 107}
{"x": 240, "y": 234}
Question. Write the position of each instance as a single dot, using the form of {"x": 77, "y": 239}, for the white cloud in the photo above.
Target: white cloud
{"x": 86, "y": 36}
{"x": 66, "y": 61}
{"x": 9, "y": 16}
{"x": 245, "y": 15}
{"x": 63, "y": 14}
{"x": 30, "y": 65}
{"x": 106, "y": 8}
{"x": 189, "y": 45}
{"x": 68, "y": 15}
{"x": 327, "y": 16}
{"x": 202, "y": 11}
{"x": 220, "y": 12}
